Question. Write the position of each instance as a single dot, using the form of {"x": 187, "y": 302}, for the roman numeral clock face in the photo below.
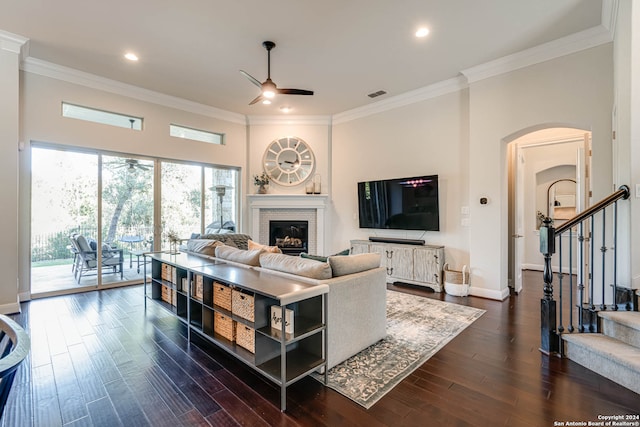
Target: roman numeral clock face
{"x": 288, "y": 161}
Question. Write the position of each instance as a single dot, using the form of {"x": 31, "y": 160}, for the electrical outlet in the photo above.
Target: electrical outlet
{"x": 464, "y": 210}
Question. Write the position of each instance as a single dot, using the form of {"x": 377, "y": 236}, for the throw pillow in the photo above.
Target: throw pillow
{"x": 249, "y": 257}
{"x": 107, "y": 251}
{"x": 314, "y": 257}
{"x": 203, "y": 246}
{"x": 296, "y": 265}
{"x": 271, "y": 249}
{"x": 343, "y": 265}
{"x": 324, "y": 258}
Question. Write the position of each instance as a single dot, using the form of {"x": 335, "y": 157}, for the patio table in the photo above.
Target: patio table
{"x": 131, "y": 239}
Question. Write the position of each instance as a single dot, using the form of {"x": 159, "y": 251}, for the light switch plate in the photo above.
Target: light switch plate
{"x": 637, "y": 191}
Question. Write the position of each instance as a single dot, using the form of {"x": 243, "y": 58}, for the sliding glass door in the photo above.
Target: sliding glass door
{"x": 197, "y": 199}
{"x": 64, "y": 204}
{"x": 93, "y": 213}
{"x": 127, "y": 215}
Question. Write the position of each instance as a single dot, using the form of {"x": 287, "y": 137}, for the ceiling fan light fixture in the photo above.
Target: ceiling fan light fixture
{"x": 266, "y": 101}
{"x": 131, "y": 56}
{"x": 422, "y": 32}
{"x": 268, "y": 89}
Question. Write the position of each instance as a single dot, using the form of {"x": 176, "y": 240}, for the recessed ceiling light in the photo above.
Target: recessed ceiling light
{"x": 131, "y": 56}
{"x": 266, "y": 101}
{"x": 285, "y": 109}
{"x": 422, "y": 32}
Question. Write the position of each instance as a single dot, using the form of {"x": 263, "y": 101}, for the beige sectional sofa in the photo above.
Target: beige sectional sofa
{"x": 357, "y": 288}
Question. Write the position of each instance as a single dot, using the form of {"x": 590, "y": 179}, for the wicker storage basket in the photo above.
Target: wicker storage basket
{"x": 168, "y": 295}
{"x": 197, "y": 289}
{"x": 224, "y": 326}
{"x": 246, "y": 337}
{"x": 222, "y": 295}
{"x": 456, "y": 282}
{"x": 165, "y": 272}
{"x": 242, "y": 305}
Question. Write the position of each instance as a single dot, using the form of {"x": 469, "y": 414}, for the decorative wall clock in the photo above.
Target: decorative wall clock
{"x": 288, "y": 161}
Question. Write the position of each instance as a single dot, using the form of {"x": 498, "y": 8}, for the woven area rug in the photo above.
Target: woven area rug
{"x": 417, "y": 328}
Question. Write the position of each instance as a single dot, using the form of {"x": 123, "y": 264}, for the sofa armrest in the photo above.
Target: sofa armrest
{"x": 357, "y": 313}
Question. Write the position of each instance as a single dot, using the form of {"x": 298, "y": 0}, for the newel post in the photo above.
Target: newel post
{"x": 549, "y": 338}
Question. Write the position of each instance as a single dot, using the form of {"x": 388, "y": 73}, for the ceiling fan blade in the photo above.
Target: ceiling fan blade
{"x": 295, "y": 92}
{"x": 251, "y": 78}
{"x": 257, "y": 99}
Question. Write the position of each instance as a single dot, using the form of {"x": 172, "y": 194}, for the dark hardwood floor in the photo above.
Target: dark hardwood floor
{"x": 98, "y": 359}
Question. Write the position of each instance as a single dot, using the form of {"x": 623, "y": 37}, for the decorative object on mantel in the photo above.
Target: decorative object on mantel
{"x": 261, "y": 181}
{"x": 288, "y": 161}
{"x": 317, "y": 184}
{"x": 173, "y": 238}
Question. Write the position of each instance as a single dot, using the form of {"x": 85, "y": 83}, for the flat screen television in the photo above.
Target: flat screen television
{"x": 401, "y": 204}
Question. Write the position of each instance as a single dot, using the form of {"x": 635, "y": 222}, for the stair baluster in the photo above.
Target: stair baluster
{"x": 585, "y": 304}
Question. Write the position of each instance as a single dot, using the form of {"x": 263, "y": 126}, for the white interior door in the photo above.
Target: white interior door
{"x": 518, "y": 235}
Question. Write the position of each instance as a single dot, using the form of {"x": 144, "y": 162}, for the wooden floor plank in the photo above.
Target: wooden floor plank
{"x": 102, "y": 359}
{"x": 103, "y": 414}
{"x": 125, "y": 404}
{"x": 70, "y": 396}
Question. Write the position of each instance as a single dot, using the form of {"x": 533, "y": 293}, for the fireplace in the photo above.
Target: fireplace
{"x": 292, "y": 237}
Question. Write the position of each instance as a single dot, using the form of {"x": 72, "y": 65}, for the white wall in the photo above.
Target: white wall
{"x": 41, "y": 98}
{"x": 627, "y": 144}
{"x": 571, "y": 91}
{"x": 9, "y": 126}
{"x": 316, "y": 133}
{"x": 429, "y": 137}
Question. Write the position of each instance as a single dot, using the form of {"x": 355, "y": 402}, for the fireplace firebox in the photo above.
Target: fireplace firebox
{"x": 292, "y": 237}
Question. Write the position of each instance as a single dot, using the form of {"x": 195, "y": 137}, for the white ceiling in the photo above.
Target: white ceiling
{"x": 341, "y": 49}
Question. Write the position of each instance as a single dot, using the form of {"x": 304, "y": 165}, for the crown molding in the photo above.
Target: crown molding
{"x": 12, "y": 42}
{"x": 428, "y": 92}
{"x": 573, "y": 43}
{"x": 289, "y": 120}
{"x": 70, "y": 75}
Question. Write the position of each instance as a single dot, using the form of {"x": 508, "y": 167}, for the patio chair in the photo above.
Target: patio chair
{"x": 73, "y": 247}
{"x": 14, "y": 347}
{"x": 112, "y": 258}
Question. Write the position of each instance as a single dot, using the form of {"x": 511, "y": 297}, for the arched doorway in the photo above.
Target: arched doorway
{"x": 548, "y": 176}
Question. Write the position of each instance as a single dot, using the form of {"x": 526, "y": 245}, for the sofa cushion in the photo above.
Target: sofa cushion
{"x": 248, "y": 257}
{"x": 255, "y": 245}
{"x": 231, "y": 239}
{"x": 343, "y": 265}
{"x": 203, "y": 246}
{"x": 296, "y": 265}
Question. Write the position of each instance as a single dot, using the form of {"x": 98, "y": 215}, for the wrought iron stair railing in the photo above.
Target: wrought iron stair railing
{"x": 586, "y": 296}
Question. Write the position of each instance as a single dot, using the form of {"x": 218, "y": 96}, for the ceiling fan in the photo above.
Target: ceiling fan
{"x": 133, "y": 164}
{"x": 269, "y": 88}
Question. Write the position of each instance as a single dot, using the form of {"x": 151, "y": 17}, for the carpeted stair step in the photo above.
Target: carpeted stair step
{"x": 609, "y": 357}
{"x": 622, "y": 325}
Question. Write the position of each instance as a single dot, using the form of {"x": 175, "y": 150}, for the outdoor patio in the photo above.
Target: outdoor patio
{"x": 60, "y": 277}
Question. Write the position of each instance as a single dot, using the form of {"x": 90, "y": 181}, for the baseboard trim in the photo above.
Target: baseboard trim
{"x": 500, "y": 295}
{"x": 10, "y": 308}
{"x": 24, "y": 296}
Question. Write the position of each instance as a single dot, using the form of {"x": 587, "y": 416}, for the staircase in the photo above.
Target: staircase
{"x": 595, "y": 322}
{"x": 614, "y": 353}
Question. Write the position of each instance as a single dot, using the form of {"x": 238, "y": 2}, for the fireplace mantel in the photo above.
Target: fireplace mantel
{"x": 289, "y": 204}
